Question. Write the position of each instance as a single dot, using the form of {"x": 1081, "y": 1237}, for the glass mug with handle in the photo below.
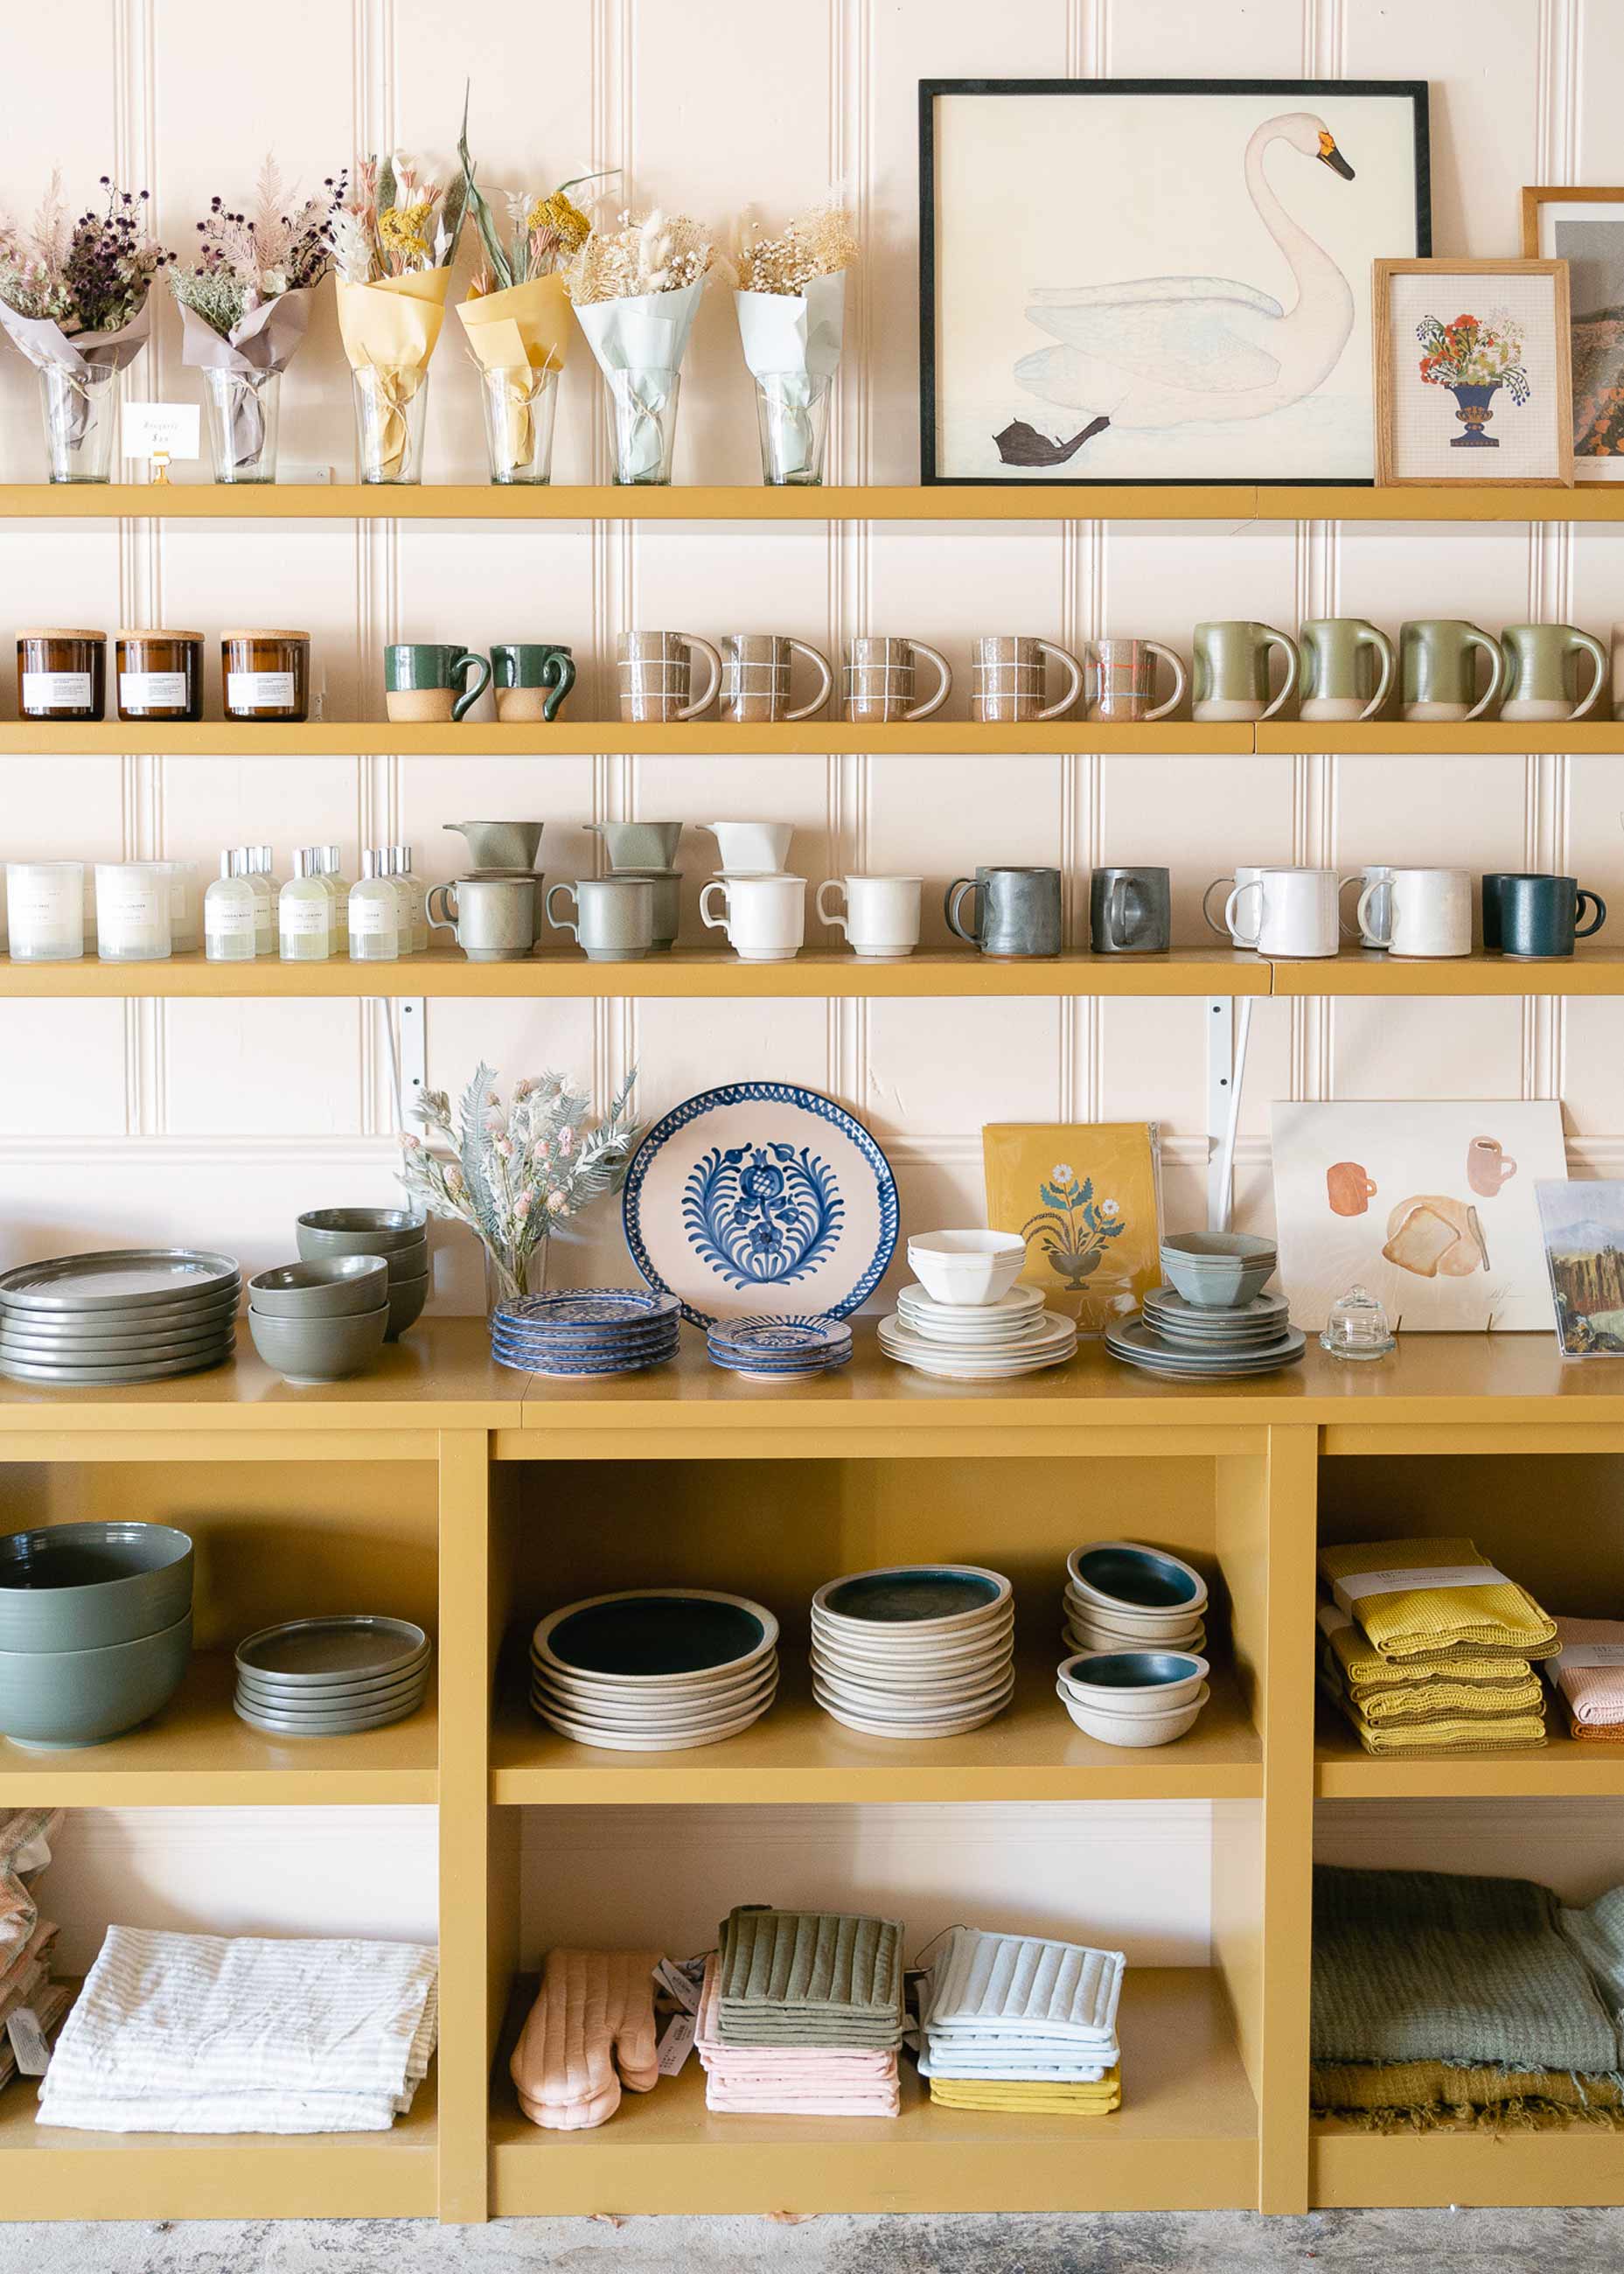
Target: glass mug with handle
{"x": 1006, "y": 680}
{"x": 1331, "y": 676}
{"x": 1121, "y": 681}
{"x": 1294, "y": 911}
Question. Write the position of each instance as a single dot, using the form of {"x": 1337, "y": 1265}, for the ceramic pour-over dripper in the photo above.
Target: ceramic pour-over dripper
{"x": 638, "y": 844}
{"x": 501, "y": 844}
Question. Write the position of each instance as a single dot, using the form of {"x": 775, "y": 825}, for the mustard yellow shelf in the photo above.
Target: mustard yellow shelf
{"x": 591, "y": 738}
{"x": 1396, "y": 738}
{"x": 1595, "y": 968}
{"x": 1488, "y": 2166}
{"x": 1032, "y": 1752}
{"x": 1186, "y": 2138}
{"x": 47, "y": 2174}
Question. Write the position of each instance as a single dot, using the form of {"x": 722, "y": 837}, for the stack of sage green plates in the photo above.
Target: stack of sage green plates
{"x": 121, "y": 1315}
{"x": 331, "y": 1678}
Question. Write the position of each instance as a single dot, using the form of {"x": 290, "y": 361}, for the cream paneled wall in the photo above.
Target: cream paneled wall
{"x": 217, "y": 1122}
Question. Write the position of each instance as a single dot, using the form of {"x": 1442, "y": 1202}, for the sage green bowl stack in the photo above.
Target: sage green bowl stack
{"x": 95, "y": 1629}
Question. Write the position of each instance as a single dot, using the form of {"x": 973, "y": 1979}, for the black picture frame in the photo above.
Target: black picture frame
{"x": 1307, "y": 90}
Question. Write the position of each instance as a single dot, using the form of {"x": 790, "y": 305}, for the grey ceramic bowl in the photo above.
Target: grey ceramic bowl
{"x": 83, "y": 1697}
{"x": 333, "y": 1231}
{"x": 81, "y": 1587}
{"x": 1218, "y": 1271}
{"x": 320, "y": 1350}
{"x": 331, "y": 1287}
{"x": 407, "y": 1297}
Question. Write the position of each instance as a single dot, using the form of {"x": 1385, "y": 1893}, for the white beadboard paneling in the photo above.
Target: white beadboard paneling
{"x": 279, "y": 1069}
{"x": 746, "y": 578}
{"x": 1429, "y": 810}
{"x": 927, "y": 585}
{"x": 212, "y": 804}
{"x": 1154, "y": 1060}
{"x": 1593, "y": 1069}
{"x": 1478, "y": 570}
{"x": 1160, "y": 581}
{"x": 557, "y": 792}
{"x": 1263, "y": 40}
{"x": 371, "y": 1872}
{"x": 1183, "y": 814}
{"x": 65, "y": 1064}
{"x": 696, "y": 791}
{"x": 1132, "y": 1877}
{"x": 685, "y": 1047}
{"x": 476, "y": 584}
{"x": 935, "y": 1065}
{"x": 944, "y": 817}
{"x": 1466, "y": 1047}
{"x": 218, "y": 576}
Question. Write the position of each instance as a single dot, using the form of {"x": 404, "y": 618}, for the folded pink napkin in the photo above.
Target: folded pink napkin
{"x": 1590, "y": 1673}
{"x": 790, "y": 2080}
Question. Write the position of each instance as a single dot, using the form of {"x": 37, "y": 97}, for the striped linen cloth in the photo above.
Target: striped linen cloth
{"x": 214, "y": 2034}
{"x": 1493, "y": 1614}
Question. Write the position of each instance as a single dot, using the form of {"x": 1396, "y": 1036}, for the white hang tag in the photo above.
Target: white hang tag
{"x": 1357, "y": 1585}
{"x": 29, "y": 2045}
{"x": 154, "y": 430}
{"x": 677, "y": 1984}
{"x": 1590, "y": 1653}
{"x": 676, "y": 2043}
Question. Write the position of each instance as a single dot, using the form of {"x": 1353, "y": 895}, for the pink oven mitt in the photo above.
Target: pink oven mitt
{"x": 594, "y": 2016}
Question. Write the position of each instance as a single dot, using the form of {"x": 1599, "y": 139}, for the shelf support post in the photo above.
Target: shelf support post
{"x": 1226, "y": 1072}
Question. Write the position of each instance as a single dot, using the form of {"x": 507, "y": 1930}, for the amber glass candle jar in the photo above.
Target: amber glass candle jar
{"x": 61, "y": 674}
{"x": 266, "y": 674}
{"x": 159, "y": 674}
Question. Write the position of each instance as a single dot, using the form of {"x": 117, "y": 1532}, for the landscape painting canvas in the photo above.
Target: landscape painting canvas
{"x": 1583, "y": 1227}
{"x": 1159, "y": 281}
{"x": 1429, "y": 1207}
{"x": 1585, "y": 227}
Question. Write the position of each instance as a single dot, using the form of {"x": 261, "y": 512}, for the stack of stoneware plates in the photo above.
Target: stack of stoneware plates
{"x": 586, "y": 1330}
{"x": 654, "y": 1669}
{"x": 331, "y": 1678}
{"x": 1122, "y": 1596}
{"x": 127, "y": 1314}
{"x": 1213, "y": 1318}
{"x": 779, "y": 1350}
{"x": 916, "y": 1650}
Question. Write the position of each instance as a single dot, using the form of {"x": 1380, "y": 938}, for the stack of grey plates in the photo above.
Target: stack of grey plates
{"x": 331, "y": 1678}
{"x": 914, "y": 1650}
{"x": 125, "y": 1314}
{"x": 1179, "y": 1338}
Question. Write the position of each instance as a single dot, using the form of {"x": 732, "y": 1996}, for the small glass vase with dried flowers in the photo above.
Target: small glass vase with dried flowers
{"x": 516, "y": 1171}
{"x": 791, "y": 299}
{"x": 73, "y": 300}
{"x": 394, "y": 240}
{"x": 244, "y": 307}
{"x": 635, "y": 293}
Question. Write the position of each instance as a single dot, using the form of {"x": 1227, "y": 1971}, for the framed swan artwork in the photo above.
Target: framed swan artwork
{"x": 1159, "y": 281}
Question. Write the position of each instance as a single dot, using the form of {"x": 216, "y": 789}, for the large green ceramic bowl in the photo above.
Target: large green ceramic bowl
{"x": 332, "y": 1287}
{"x": 61, "y": 1697}
{"x": 82, "y": 1587}
{"x": 318, "y": 1350}
{"x": 359, "y": 1230}
{"x": 407, "y": 1297}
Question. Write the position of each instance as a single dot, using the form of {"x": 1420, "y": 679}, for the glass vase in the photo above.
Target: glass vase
{"x": 505, "y": 1285}
{"x": 644, "y": 405}
{"x": 244, "y": 409}
{"x": 519, "y": 408}
{"x": 81, "y": 414}
{"x": 391, "y": 407}
{"x": 791, "y": 411}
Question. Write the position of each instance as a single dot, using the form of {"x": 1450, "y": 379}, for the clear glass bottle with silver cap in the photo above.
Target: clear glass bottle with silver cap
{"x": 255, "y": 868}
{"x": 304, "y": 912}
{"x": 374, "y": 913}
{"x": 341, "y": 889}
{"x": 231, "y": 914}
{"x": 415, "y": 900}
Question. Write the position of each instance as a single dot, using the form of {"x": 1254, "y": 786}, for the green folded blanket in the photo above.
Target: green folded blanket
{"x": 808, "y": 1978}
{"x": 1432, "y": 1966}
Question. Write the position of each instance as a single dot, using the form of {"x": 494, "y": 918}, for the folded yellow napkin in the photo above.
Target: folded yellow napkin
{"x": 1012, "y": 2095}
{"x": 1362, "y": 1666}
{"x": 1443, "y": 1733}
{"x": 1443, "y": 1607}
{"x": 1427, "y": 1698}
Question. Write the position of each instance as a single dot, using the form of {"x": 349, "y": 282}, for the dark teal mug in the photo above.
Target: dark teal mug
{"x": 531, "y": 677}
{"x": 1533, "y": 917}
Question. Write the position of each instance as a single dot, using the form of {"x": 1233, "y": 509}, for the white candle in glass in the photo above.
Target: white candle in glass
{"x": 45, "y": 902}
{"x": 132, "y": 911}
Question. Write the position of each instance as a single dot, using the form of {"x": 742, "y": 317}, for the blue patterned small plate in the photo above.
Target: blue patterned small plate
{"x": 761, "y": 1200}
{"x": 588, "y": 1310}
{"x": 787, "y": 1338}
{"x": 561, "y": 1370}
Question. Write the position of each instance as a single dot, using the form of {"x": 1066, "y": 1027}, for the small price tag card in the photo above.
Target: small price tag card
{"x": 160, "y": 430}
{"x": 29, "y": 2045}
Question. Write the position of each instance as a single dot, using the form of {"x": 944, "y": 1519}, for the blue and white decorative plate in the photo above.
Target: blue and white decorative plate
{"x": 761, "y": 1200}
{"x": 586, "y": 1312}
{"x": 789, "y": 1339}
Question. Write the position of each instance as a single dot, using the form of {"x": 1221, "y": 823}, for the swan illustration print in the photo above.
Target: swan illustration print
{"x": 1161, "y": 352}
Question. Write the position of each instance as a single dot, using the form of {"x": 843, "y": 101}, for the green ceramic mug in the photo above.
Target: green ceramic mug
{"x": 420, "y": 681}
{"x": 1437, "y": 669}
{"x": 1232, "y": 670}
{"x": 531, "y": 677}
{"x": 1542, "y": 671}
{"x": 1333, "y": 681}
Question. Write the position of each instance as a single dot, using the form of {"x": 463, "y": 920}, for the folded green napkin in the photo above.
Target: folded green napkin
{"x": 808, "y": 1977}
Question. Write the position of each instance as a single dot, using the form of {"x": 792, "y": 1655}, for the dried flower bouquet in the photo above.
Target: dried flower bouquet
{"x": 791, "y": 301}
{"x": 636, "y": 292}
{"x": 394, "y": 240}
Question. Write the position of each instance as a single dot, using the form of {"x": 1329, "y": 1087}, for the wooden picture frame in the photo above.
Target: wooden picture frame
{"x": 1557, "y": 227}
{"x": 1039, "y": 209}
{"x": 1396, "y": 466}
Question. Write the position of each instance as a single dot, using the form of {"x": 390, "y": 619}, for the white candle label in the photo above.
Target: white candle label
{"x": 136, "y": 908}
{"x": 304, "y": 919}
{"x": 1360, "y": 1584}
{"x": 258, "y": 691}
{"x": 1592, "y": 1653}
{"x": 372, "y": 920}
{"x": 231, "y": 923}
{"x": 55, "y": 691}
{"x": 45, "y": 902}
{"x": 152, "y": 690}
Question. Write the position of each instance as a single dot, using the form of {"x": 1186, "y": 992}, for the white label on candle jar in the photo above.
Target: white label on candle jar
{"x": 45, "y": 913}
{"x": 55, "y": 691}
{"x": 304, "y": 919}
{"x": 152, "y": 690}
{"x": 372, "y": 920}
{"x": 131, "y": 916}
{"x": 258, "y": 691}
{"x": 231, "y": 921}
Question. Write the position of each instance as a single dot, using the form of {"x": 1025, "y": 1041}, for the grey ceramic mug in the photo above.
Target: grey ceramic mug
{"x": 1016, "y": 911}
{"x": 493, "y": 919}
{"x": 615, "y": 917}
{"x": 1130, "y": 911}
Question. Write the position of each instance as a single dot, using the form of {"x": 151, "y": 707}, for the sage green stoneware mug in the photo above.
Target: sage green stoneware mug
{"x": 1232, "y": 670}
{"x": 1437, "y": 670}
{"x": 1347, "y": 669}
{"x": 1543, "y": 671}
{"x": 531, "y": 679}
{"x": 421, "y": 680}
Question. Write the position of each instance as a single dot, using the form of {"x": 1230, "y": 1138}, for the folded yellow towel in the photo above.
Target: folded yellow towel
{"x": 1012, "y": 2095}
{"x": 1443, "y": 1733}
{"x": 1368, "y": 2087}
{"x": 1364, "y": 1669}
{"x": 1425, "y": 1699}
{"x": 1445, "y": 1607}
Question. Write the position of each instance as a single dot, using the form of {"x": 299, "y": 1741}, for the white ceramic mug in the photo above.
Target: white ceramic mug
{"x": 765, "y": 918}
{"x": 1428, "y": 912}
{"x": 1239, "y": 876}
{"x": 881, "y": 922}
{"x": 751, "y": 849}
{"x": 1371, "y": 922}
{"x": 1292, "y": 912}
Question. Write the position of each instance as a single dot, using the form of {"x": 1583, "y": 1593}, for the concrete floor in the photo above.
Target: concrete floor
{"x": 1383, "y": 2242}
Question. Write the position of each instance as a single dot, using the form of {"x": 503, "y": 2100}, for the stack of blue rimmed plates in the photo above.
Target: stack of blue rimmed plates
{"x": 780, "y": 1350}
{"x": 587, "y": 1330}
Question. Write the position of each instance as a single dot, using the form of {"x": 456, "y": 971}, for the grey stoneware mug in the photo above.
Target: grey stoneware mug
{"x": 493, "y": 919}
{"x": 615, "y": 917}
{"x": 1437, "y": 670}
{"x": 1347, "y": 669}
{"x": 1232, "y": 670}
{"x": 1130, "y": 911}
{"x": 1542, "y": 667}
{"x": 1016, "y": 911}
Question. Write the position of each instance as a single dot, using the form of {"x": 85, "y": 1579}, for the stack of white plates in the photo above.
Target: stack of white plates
{"x": 914, "y": 1650}
{"x": 977, "y": 1341}
{"x": 654, "y": 1669}
{"x": 331, "y": 1678}
{"x": 123, "y": 1315}
{"x": 1121, "y": 1596}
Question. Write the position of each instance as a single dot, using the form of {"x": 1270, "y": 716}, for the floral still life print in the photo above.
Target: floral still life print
{"x": 1474, "y": 356}
{"x": 1473, "y": 378}
{"x": 1085, "y": 1200}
